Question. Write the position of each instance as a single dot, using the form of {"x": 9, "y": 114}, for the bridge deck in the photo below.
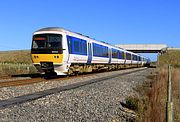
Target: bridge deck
{"x": 144, "y": 48}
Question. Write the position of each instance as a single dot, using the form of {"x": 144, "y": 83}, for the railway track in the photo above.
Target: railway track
{"x": 40, "y": 94}
{"x": 19, "y": 82}
{"x": 26, "y": 81}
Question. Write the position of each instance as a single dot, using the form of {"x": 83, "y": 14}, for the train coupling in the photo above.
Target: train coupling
{"x": 47, "y": 66}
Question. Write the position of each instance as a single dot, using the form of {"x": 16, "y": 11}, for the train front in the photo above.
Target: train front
{"x": 47, "y": 52}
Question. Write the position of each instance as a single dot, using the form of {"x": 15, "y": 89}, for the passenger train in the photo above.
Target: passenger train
{"x": 63, "y": 52}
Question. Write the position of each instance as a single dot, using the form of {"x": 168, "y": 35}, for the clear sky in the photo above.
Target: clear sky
{"x": 112, "y": 21}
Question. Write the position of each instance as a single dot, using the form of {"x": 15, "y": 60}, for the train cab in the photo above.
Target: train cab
{"x": 47, "y": 50}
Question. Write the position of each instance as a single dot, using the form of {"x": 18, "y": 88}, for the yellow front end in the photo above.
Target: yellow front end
{"x": 47, "y": 63}
{"x": 55, "y": 58}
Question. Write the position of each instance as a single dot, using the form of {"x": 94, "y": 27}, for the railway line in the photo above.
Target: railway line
{"x": 18, "y": 82}
{"x": 9, "y": 81}
{"x": 27, "y": 79}
{"x": 33, "y": 96}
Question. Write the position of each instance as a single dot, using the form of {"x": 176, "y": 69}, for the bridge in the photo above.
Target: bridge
{"x": 144, "y": 48}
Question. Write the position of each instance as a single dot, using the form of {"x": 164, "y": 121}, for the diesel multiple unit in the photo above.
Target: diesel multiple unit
{"x": 63, "y": 52}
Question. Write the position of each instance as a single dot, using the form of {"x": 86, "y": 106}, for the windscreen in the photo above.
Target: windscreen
{"x": 39, "y": 42}
{"x": 47, "y": 42}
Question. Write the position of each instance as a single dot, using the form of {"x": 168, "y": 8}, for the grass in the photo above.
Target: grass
{"x": 176, "y": 93}
{"x": 157, "y": 98}
{"x": 21, "y": 56}
{"x": 151, "y": 105}
{"x": 16, "y": 62}
{"x": 171, "y": 57}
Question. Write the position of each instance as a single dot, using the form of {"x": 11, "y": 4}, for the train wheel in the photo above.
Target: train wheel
{"x": 70, "y": 72}
{"x": 50, "y": 75}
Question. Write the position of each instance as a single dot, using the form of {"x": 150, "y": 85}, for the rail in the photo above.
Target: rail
{"x": 169, "y": 103}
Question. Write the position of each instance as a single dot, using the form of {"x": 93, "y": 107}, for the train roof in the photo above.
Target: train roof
{"x": 51, "y": 29}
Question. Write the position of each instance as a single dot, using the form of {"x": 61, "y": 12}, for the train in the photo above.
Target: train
{"x": 58, "y": 51}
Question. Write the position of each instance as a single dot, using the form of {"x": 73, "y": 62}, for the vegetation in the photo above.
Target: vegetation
{"x": 21, "y": 56}
{"x": 16, "y": 62}
{"x": 176, "y": 93}
{"x": 151, "y": 105}
{"x": 132, "y": 103}
{"x": 171, "y": 57}
{"x": 156, "y": 110}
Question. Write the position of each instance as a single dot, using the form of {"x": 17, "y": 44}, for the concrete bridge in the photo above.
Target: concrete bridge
{"x": 144, "y": 48}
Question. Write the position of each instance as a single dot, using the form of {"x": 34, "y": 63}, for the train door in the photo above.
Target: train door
{"x": 89, "y": 53}
{"x": 110, "y": 55}
{"x": 69, "y": 46}
{"x": 125, "y": 57}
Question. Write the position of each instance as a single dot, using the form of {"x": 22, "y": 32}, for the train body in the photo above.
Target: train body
{"x": 62, "y": 52}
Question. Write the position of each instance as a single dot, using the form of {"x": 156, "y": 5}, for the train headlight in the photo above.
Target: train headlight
{"x": 56, "y": 56}
{"x": 36, "y": 56}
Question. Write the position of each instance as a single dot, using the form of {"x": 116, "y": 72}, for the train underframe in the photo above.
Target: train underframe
{"x": 84, "y": 68}
{"x": 75, "y": 69}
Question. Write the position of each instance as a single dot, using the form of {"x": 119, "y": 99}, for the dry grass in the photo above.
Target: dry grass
{"x": 176, "y": 94}
{"x": 16, "y": 62}
{"x": 156, "y": 111}
{"x": 7, "y": 69}
{"x": 21, "y": 56}
{"x": 171, "y": 57}
{"x": 152, "y": 101}
{"x": 157, "y": 94}
{"x": 157, "y": 98}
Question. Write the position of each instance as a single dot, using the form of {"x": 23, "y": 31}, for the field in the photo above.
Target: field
{"x": 16, "y": 62}
{"x": 15, "y": 57}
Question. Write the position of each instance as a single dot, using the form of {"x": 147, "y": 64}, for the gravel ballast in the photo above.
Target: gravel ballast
{"x": 15, "y": 91}
{"x": 95, "y": 102}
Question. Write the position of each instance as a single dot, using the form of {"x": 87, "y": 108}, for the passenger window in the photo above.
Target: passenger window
{"x": 76, "y": 46}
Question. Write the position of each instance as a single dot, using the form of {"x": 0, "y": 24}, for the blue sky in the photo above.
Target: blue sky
{"x": 112, "y": 21}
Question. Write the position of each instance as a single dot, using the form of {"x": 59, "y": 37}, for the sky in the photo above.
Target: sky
{"x": 112, "y": 21}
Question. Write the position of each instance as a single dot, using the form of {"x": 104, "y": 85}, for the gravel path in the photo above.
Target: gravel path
{"x": 96, "y": 102}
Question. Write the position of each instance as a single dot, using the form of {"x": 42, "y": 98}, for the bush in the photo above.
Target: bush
{"x": 132, "y": 103}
